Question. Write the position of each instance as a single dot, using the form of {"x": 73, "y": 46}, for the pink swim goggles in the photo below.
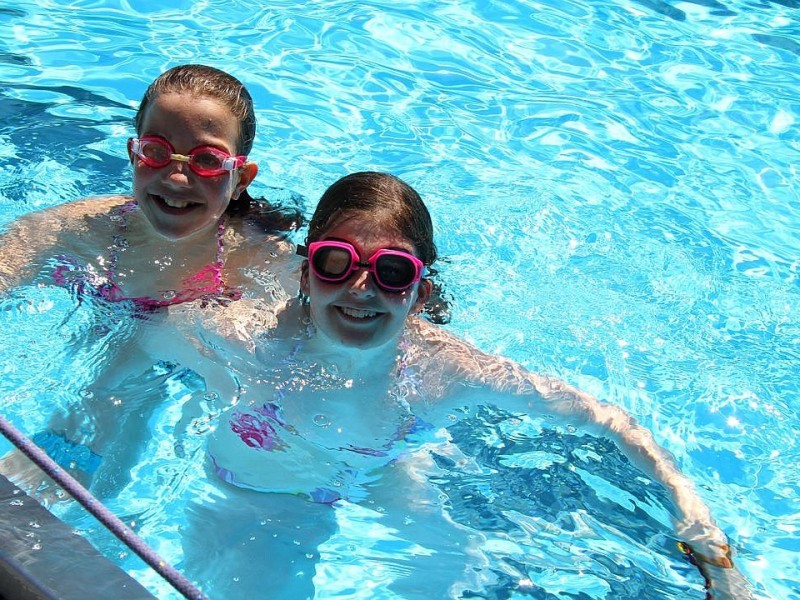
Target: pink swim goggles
{"x": 206, "y": 161}
{"x": 335, "y": 262}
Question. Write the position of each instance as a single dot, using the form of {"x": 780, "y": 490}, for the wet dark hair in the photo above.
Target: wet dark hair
{"x": 210, "y": 82}
{"x": 389, "y": 201}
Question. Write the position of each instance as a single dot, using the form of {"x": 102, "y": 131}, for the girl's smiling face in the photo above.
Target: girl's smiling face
{"x": 356, "y": 313}
{"x": 176, "y": 201}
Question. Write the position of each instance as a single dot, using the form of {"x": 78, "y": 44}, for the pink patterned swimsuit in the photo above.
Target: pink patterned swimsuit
{"x": 207, "y": 284}
{"x": 263, "y": 429}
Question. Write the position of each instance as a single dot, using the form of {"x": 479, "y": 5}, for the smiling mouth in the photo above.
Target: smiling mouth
{"x": 358, "y": 313}
{"x": 173, "y": 204}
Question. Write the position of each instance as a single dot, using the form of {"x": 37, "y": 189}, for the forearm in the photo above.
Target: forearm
{"x": 520, "y": 391}
{"x": 20, "y": 250}
{"x": 704, "y": 543}
{"x": 694, "y": 522}
{"x": 524, "y": 391}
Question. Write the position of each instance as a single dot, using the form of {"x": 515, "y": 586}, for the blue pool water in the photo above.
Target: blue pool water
{"x": 616, "y": 195}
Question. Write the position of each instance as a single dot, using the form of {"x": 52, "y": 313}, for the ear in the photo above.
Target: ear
{"x": 304, "y": 287}
{"x": 131, "y": 156}
{"x": 247, "y": 172}
{"x": 423, "y": 295}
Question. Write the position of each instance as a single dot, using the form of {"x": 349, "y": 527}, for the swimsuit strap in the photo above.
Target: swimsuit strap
{"x": 208, "y": 282}
{"x": 215, "y": 269}
{"x": 110, "y": 290}
{"x": 129, "y": 206}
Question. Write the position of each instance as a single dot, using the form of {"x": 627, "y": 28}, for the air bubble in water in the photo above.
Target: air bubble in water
{"x": 322, "y": 421}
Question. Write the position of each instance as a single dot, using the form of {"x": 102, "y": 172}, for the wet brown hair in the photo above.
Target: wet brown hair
{"x": 210, "y": 82}
{"x": 387, "y": 199}
{"x": 201, "y": 80}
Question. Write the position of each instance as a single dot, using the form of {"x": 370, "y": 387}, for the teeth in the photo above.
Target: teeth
{"x": 175, "y": 203}
{"x": 358, "y": 314}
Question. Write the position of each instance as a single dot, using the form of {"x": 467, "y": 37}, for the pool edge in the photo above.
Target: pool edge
{"x": 62, "y": 566}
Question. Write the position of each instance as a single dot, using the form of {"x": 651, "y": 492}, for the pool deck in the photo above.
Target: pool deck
{"x": 42, "y": 558}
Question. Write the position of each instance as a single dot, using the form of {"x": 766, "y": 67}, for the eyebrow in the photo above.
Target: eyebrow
{"x": 398, "y": 248}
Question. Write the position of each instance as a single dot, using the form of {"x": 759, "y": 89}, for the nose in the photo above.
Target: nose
{"x": 178, "y": 172}
{"x": 362, "y": 284}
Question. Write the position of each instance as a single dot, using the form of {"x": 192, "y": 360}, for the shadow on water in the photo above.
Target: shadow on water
{"x": 12, "y": 12}
{"x": 30, "y": 127}
{"x": 582, "y": 479}
{"x": 777, "y": 41}
{"x": 14, "y": 59}
{"x": 67, "y": 130}
{"x": 24, "y": 121}
{"x": 673, "y": 12}
{"x": 716, "y": 8}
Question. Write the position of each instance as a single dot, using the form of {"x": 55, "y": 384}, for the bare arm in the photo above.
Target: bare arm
{"x": 704, "y": 542}
{"x": 450, "y": 359}
{"x": 21, "y": 247}
{"x": 33, "y": 238}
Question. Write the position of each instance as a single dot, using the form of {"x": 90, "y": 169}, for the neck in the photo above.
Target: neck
{"x": 349, "y": 361}
{"x": 164, "y": 262}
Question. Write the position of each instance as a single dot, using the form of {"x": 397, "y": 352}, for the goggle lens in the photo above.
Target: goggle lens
{"x": 331, "y": 263}
{"x": 394, "y": 271}
{"x": 206, "y": 161}
{"x": 334, "y": 262}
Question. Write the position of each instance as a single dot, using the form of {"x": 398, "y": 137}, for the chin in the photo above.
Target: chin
{"x": 178, "y": 230}
{"x": 362, "y": 343}
{"x": 174, "y": 234}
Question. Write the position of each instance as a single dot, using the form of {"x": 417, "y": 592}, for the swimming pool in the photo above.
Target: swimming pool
{"x": 615, "y": 191}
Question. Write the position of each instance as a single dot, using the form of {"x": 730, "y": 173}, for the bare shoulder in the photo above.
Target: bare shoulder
{"x": 92, "y": 207}
{"x": 454, "y": 350}
{"x": 63, "y": 214}
{"x": 453, "y": 361}
{"x": 65, "y": 226}
{"x": 249, "y": 246}
{"x": 246, "y": 234}
{"x": 67, "y": 216}
{"x": 263, "y": 262}
{"x": 238, "y": 323}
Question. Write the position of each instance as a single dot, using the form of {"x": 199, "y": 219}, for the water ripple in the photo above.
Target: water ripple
{"x": 614, "y": 186}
